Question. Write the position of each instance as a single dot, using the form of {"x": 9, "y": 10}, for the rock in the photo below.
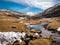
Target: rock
{"x": 40, "y": 42}
{"x": 16, "y": 43}
{"x": 50, "y": 12}
{"x": 58, "y": 29}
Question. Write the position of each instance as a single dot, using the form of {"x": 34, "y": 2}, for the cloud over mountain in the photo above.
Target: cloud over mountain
{"x": 43, "y": 4}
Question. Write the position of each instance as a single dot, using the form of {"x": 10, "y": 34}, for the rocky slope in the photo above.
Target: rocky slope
{"x": 50, "y": 12}
{"x": 11, "y": 13}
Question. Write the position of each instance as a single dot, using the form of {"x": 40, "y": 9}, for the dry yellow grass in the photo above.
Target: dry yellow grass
{"x": 40, "y": 42}
{"x": 54, "y": 24}
{"x": 6, "y": 24}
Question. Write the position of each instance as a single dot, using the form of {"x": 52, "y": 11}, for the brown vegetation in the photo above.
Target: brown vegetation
{"x": 40, "y": 42}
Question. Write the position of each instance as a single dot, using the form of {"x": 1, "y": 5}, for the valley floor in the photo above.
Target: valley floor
{"x": 17, "y": 25}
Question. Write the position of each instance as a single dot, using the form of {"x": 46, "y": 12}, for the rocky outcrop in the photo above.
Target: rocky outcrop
{"x": 50, "y": 12}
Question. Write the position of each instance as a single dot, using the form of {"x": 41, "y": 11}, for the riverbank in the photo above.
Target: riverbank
{"x": 17, "y": 25}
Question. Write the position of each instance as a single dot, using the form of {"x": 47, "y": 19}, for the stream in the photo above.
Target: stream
{"x": 45, "y": 32}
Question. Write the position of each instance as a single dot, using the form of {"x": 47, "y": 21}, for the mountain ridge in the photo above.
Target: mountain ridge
{"x": 51, "y": 12}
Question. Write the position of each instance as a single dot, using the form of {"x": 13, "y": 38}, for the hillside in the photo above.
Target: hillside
{"x": 17, "y": 21}
{"x": 10, "y": 19}
{"x": 50, "y": 12}
{"x": 11, "y": 13}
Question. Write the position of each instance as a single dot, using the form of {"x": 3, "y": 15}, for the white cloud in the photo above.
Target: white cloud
{"x": 43, "y": 4}
{"x": 30, "y": 13}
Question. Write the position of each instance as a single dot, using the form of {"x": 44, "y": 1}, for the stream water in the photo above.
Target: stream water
{"x": 45, "y": 32}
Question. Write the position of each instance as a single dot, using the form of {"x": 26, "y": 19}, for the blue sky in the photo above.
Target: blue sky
{"x": 26, "y": 6}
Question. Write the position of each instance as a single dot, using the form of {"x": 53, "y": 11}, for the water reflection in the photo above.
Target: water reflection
{"x": 45, "y": 32}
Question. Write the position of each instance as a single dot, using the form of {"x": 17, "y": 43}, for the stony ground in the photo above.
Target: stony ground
{"x": 14, "y": 24}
